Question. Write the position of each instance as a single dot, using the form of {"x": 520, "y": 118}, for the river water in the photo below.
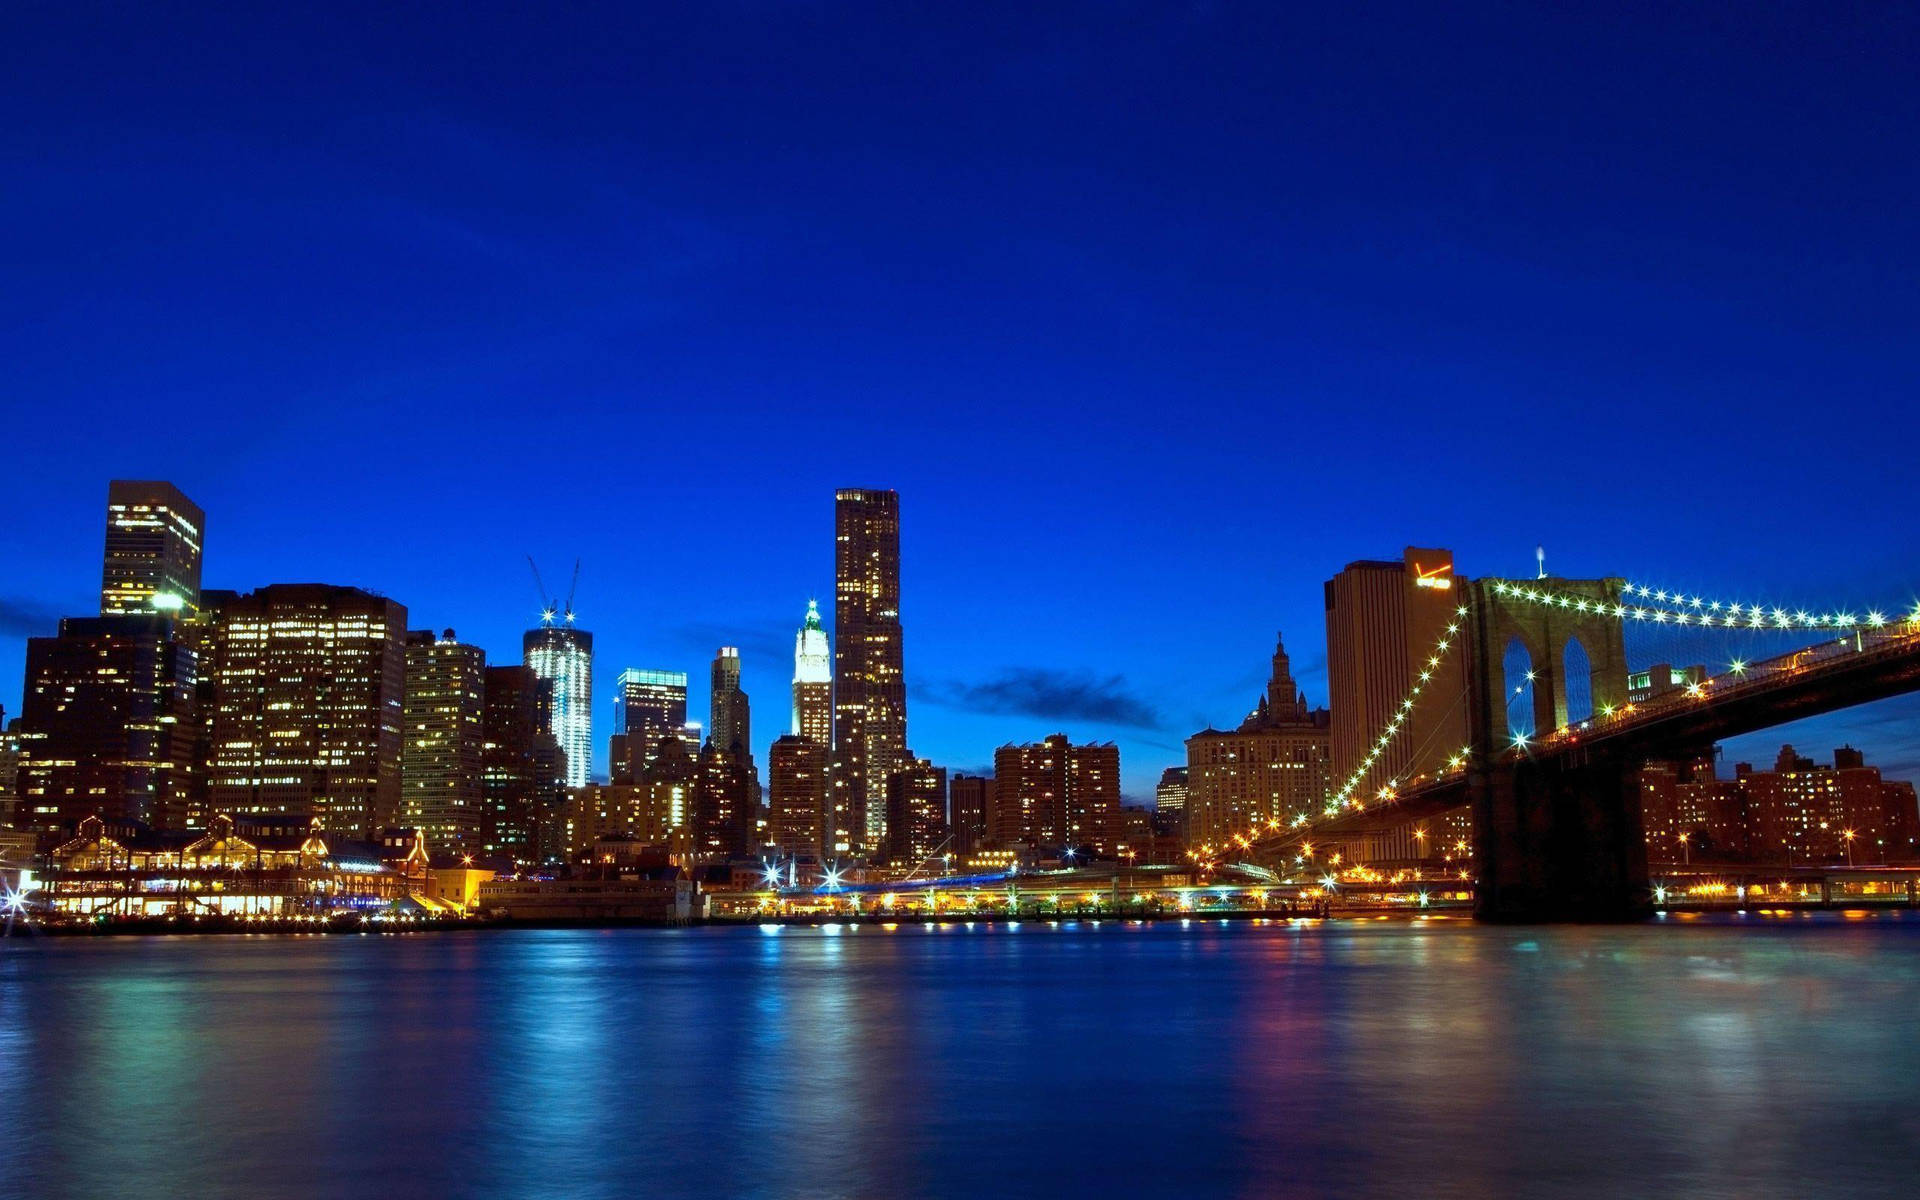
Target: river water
{"x": 1725, "y": 1057}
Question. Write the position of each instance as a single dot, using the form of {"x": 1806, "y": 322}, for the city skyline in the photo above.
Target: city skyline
{"x": 1087, "y": 707}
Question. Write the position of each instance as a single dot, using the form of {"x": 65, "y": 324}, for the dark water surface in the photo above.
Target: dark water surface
{"x": 1687, "y": 1058}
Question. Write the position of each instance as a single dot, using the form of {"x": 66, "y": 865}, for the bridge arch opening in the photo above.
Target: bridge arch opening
{"x": 1517, "y": 668}
{"x": 1576, "y": 676}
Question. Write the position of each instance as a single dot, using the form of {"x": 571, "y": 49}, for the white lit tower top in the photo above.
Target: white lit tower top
{"x": 813, "y": 680}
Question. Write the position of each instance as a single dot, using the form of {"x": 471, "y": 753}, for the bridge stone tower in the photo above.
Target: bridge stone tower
{"x": 1561, "y": 841}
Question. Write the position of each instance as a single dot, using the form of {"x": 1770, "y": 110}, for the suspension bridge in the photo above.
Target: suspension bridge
{"x": 1550, "y": 775}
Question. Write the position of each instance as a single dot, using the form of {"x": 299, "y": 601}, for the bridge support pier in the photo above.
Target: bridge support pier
{"x": 1560, "y": 843}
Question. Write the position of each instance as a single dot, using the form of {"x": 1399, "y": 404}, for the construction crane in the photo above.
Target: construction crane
{"x": 549, "y": 604}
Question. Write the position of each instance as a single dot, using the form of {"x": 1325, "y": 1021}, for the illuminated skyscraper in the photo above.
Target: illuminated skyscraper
{"x": 813, "y": 680}
{"x": 1056, "y": 794}
{"x": 152, "y": 560}
{"x": 308, "y": 692}
{"x": 1272, "y": 767}
{"x": 798, "y": 797}
{"x": 563, "y": 656}
{"x": 869, "y": 678}
{"x": 731, "y": 725}
{"x": 442, "y": 769}
{"x": 525, "y": 767}
{"x": 647, "y": 706}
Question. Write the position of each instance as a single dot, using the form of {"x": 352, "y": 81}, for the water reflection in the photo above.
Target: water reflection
{"x": 1068, "y": 1057}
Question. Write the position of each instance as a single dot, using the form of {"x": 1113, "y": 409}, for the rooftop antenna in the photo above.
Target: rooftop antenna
{"x": 1540, "y": 556}
{"x": 546, "y": 605}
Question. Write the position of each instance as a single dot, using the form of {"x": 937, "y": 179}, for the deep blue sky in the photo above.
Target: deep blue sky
{"x": 1155, "y": 315}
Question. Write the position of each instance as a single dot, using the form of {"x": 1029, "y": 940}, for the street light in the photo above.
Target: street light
{"x": 1686, "y": 848}
{"x": 1847, "y": 836}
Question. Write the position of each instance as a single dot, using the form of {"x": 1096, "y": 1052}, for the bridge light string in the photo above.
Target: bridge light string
{"x": 1343, "y": 797}
{"x": 1696, "y": 612}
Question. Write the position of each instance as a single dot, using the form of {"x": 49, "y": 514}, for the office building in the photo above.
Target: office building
{"x": 563, "y": 656}
{"x": 107, "y": 727}
{"x": 969, "y": 800}
{"x": 1056, "y": 795}
{"x": 1170, "y": 799}
{"x": 1270, "y": 768}
{"x": 647, "y": 706}
{"x": 1383, "y": 621}
{"x": 869, "y": 680}
{"x": 308, "y": 691}
{"x": 523, "y": 766}
{"x": 443, "y": 762}
{"x": 152, "y": 558}
{"x": 797, "y": 798}
{"x": 916, "y": 814}
{"x": 813, "y": 680}
{"x": 730, "y": 725}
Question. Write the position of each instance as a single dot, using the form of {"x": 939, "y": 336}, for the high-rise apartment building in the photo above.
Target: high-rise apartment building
{"x": 563, "y": 656}
{"x": 1055, "y": 794}
{"x": 107, "y": 727}
{"x": 969, "y": 800}
{"x": 308, "y": 697}
{"x": 730, "y": 725}
{"x": 813, "y": 680}
{"x": 1271, "y": 767}
{"x": 1799, "y": 812}
{"x": 524, "y": 767}
{"x": 916, "y": 813}
{"x": 724, "y": 814}
{"x": 797, "y": 797}
{"x": 443, "y": 762}
{"x": 152, "y": 559}
{"x": 869, "y": 679}
{"x": 1383, "y": 621}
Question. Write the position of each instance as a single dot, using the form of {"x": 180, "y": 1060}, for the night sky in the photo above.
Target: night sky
{"x": 1155, "y": 315}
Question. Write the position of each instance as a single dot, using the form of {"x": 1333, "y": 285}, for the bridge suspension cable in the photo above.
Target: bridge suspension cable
{"x": 1343, "y": 796}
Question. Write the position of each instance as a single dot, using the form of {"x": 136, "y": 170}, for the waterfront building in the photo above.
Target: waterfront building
{"x": 1271, "y": 767}
{"x": 107, "y": 727}
{"x": 443, "y": 760}
{"x": 599, "y": 811}
{"x": 813, "y": 680}
{"x": 243, "y": 865}
{"x": 916, "y": 814}
{"x": 308, "y": 694}
{"x": 1800, "y": 812}
{"x": 1056, "y": 794}
{"x": 729, "y": 718}
{"x": 669, "y": 779}
{"x": 869, "y": 678}
{"x": 152, "y": 559}
{"x": 969, "y": 800}
{"x": 797, "y": 795}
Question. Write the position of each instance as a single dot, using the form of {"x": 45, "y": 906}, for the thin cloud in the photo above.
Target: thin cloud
{"x": 27, "y": 618}
{"x": 1052, "y": 694}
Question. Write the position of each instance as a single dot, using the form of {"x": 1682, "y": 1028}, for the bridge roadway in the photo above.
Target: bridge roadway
{"x": 1858, "y": 668}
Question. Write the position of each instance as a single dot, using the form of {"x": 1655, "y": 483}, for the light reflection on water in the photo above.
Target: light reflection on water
{"x": 1739, "y": 1058}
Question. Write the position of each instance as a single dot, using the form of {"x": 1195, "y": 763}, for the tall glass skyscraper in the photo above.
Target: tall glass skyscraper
{"x": 563, "y": 656}
{"x": 152, "y": 559}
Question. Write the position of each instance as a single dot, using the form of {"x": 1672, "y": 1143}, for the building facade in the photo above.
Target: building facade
{"x": 523, "y": 767}
{"x": 107, "y": 728}
{"x": 647, "y": 707}
{"x": 443, "y": 762}
{"x": 152, "y": 559}
{"x": 730, "y": 722}
{"x": 308, "y": 701}
{"x": 1055, "y": 794}
{"x": 797, "y": 799}
{"x": 1273, "y": 766}
{"x": 869, "y": 677}
{"x": 969, "y": 801}
{"x": 1799, "y": 813}
{"x": 1170, "y": 799}
{"x": 563, "y": 656}
{"x": 916, "y": 814}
